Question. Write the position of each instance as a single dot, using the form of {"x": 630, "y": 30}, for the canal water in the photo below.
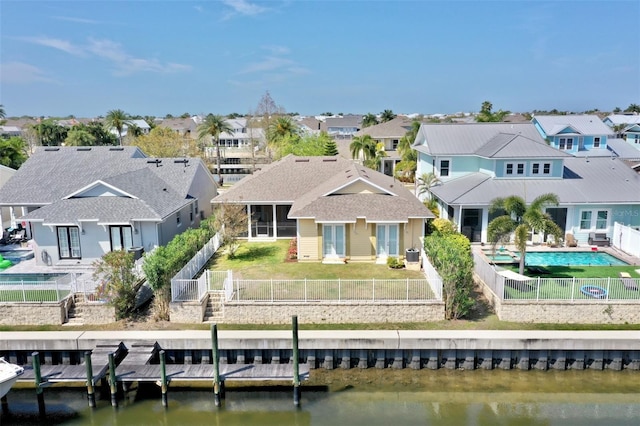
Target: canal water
{"x": 363, "y": 397}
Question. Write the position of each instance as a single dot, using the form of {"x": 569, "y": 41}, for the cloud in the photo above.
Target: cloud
{"x": 274, "y": 66}
{"x": 78, "y": 20}
{"x": 21, "y": 73}
{"x": 243, "y": 7}
{"x": 123, "y": 62}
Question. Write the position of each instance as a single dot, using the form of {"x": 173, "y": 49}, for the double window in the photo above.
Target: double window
{"x": 538, "y": 169}
{"x": 121, "y": 238}
{"x": 594, "y": 219}
{"x": 512, "y": 169}
{"x": 565, "y": 144}
{"x": 69, "y": 242}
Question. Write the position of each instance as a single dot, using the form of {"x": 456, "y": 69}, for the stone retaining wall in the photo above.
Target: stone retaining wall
{"x": 98, "y": 313}
{"x": 35, "y": 313}
{"x": 187, "y": 312}
{"x": 332, "y": 313}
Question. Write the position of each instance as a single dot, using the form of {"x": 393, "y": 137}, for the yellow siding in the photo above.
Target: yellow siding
{"x": 359, "y": 187}
{"x": 412, "y": 234}
{"x": 308, "y": 241}
{"x": 360, "y": 241}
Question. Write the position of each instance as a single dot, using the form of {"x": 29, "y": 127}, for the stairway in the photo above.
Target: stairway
{"x": 74, "y": 317}
{"x": 214, "y": 312}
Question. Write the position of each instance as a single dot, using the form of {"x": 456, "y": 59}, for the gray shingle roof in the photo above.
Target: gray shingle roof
{"x": 395, "y": 128}
{"x": 49, "y": 176}
{"x": 586, "y": 180}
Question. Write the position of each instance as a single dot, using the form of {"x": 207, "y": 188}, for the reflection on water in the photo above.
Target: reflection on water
{"x": 370, "y": 397}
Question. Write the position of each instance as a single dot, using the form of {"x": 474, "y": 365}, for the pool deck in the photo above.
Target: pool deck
{"x": 29, "y": 266}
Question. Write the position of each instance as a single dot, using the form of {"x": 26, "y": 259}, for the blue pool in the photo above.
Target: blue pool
{"x": 573, "y": 258}
{"x": 8, "y": 278}
{"x": 17, "y": 255}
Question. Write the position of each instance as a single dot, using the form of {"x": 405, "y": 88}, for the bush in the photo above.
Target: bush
{"x": 443, "y": 226}
{"x": 117, "y": 281}
{"x": 394, "y": 263}
{"x": 292, "y": 253}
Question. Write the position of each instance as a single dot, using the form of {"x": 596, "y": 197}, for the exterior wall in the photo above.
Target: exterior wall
{"x": 170, "y": 228}
{"x": 204, "y": 189}
{"x": 308, "y": 241}
{"x": 358, "y": 187}
{"x": 187, "y": 312}
{"x": 412, "y": 232}
{"x": 556, "y": 168}
{"x": 362, "y": 244}
{"x": 31, "y": 313}
{"x": 332, "y": 313}
{"x": 627, "y": 214}
{"x": 97, "y": 313}
{"x": 558, "y": 312}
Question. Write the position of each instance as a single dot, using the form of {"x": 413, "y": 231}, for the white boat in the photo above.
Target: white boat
{"x": 9, "y": 374}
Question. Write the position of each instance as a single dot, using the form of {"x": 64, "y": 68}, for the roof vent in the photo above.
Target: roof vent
{"x": 184, "y": 161}
{"x": 55, "y": 148}
{"x": 157, "y": 162}
{"x": 84, "y": 148}
{"x": 116, "y": 148}
{"x": 302, "y": 160}
{"x": 329, "y": 160}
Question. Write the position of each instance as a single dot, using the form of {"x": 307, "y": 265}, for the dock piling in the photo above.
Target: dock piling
{"x": 296, "y": 363}
{"x": 163, "y": 379}
{"x": 91, "y": 395}
{"x": 217, "y": 385}
{"x": 113, "y": 384}
{"x": 35, "y": 360}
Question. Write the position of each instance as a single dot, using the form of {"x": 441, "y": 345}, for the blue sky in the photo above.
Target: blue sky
{"x": 153, "y": 57}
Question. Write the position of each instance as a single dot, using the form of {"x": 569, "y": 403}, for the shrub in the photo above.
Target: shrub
{"x": 394, "y": 263}
{"x": 443, "y": 226}
{"x": 117, "y": 281}
{"x": 292, "y": 253}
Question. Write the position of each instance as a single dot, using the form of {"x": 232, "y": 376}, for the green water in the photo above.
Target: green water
{"x": 372, "y": 397}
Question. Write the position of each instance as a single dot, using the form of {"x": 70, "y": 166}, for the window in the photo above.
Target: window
{"x": 569, "y": 144}
{"x": 546, "y": 168}
{"x": 444, "y": 167}
{"x": 566, "y": 143}
{"x": 520, "y": 168}
{"x": 333, "y": 241}
{"x": 596, "y": 142}
{"x": 394, "y": 144}
{"x": 121, "y": 238}
{"x": 509, "y": 170}
{"x": 178, "y": 219}
{"x": 535, "y": 169}
{"x": 585, "y": 219}
{"x": 196, "y": 204}
{"x": 601, "y": 219}
{"x": 69, "y": 242}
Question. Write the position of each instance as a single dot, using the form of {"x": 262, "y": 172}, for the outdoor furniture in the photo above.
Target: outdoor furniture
{"x": 598, "y": 239}
{"x": 571, "y": 241}
{"x": 17, "y": 237}
{"x": 628, "y": 282}
{"x": 537, "y": 270}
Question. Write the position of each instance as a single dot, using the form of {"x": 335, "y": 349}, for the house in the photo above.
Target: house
{"x": 477, "y": 163}
{"x": 187, "y": 127}
{"x": 335, "y": 208}
{"x": 575, "y": 134}
{"x": 627, "y": 126}
{"x": 343, "y": 127}
{"x": 389, "y": 133}
{"x": 78, "y": 203}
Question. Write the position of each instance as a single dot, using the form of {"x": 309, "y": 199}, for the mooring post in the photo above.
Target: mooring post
{"x": 163, "y": 379}
{"x": 35, "y": 360}
{"x": 113, "y": 384}
{"x": 216, "y": 366}
{"x": 296, "y": 364}
{"x": 91, "y": 395}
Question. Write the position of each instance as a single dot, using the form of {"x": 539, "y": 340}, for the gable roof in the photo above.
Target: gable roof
{"x": 624, "y": 118}
{"x": 328, "y": 189}
{"x": 59, "y": 180}
{"x": 395, "y": 128}
{"x": 491, "y": 140}
{"x": 585, "y": 180}
{"x": 580, "y": 124}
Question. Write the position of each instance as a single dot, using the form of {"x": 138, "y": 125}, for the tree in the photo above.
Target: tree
{"x": 486, "y": 116}
{"x": 164, "y": 142}
{"x": 50, "y": 133}
{"x": 117, "y": 119}
{"x": 369, "y": 120}
{"x": 282, "y": 131}
{"x": 617, "y": 110}
{"x": 406, "y": 168}
{"x": 387, "y": 115}
{"x": 376, "y": 160}
{"x": 633, "y": 108}
{"x": 425, "y": 182}
{"x": 518, "y": 219}
{"x": 13, "y": 152}
{"x": 79, "y": 136}
{"x": 214, "y": 125}
{"x": 266, "y": 111}
{"x": 2, "y": 113}
{"x": 363, "y": 147}
{"x": 232, "y": 221}
{"x": 117, "y": 279}
{"x": 330, "y": 148}
{"x": 307, "y": 146}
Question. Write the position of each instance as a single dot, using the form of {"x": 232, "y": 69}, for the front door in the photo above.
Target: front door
{"x": 387, "y": 238}
{"x": 69, "y": 242}
{"x": 333, "y": 241}
{"x": 472, "y": 224}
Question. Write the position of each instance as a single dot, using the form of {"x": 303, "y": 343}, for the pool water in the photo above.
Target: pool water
{"x": 573, "y": 258}
{"x": 16, "y": 278}
{"x": 17, "y": 255}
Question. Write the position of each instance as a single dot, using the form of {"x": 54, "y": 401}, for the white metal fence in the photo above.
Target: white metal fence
{"x": 432, "y": 275}
{"x": 626, "y": 239}
{"x": 183, "y": 286}
{"x": 14, "y": 290}
{"x": 514, "y": 287}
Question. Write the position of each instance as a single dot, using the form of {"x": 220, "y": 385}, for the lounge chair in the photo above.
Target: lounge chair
{"x": 17, "y": 237}
{"x": 571, "y": 241}
{"x": 599, "y": 239}
{"x": 628, "y": 282}
{"x": 537, "y": 270}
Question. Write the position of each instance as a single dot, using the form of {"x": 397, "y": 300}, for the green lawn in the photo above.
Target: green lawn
{"x": 32, "y": 295}
{"x": 582, "y": 271}
{"x": 267, "y": 260}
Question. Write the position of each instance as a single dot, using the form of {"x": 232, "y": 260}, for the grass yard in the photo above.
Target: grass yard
{"x": 581, "y": 271}
{"x": 254, "y": 261}
{"x": 32, "y": 295}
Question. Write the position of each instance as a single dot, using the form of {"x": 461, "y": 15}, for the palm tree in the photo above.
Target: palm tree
{"x": 425, "y": 182}
{"x": 117, "y": 119}
{"x": 2, "y": 113}
{"x": 363, "y": 147}
{"x": 214, "y": 125}
{"x": 369, "y": 120}
{"x": 518, "y": 219}
{"x": 387, "y": 115}
{"x": 406, "y": 168}
{"x": 375, "y": 161}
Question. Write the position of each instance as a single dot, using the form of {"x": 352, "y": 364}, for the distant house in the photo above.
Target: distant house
{"x": 10, "y": 131}
{"x": 389, "y": 133}
{"x": 477, "y": 163}
{"x": 337, "y": 209}
{"x": 343, "y": 127}
{"x": 183, "y": 126}
{"x": 574, "y": 134}
{"x": 626, "y": 126}
{"x": 80, "y": 202}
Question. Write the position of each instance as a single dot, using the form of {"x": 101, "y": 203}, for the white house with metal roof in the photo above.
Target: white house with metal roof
{"x": 80, "y": 202}
{"x": 627, "y": 126}
{"x": 337, "y": 209}
{"x": 477, "y": 163}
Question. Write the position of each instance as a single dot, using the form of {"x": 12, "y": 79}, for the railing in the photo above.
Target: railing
{"x": 434, "y": 279}
{"x": 183, "y": 286}
{"x": 560, "y": 289}
{"x": 374, "y": 290}
{"x": 88, "y": 287}
{"x": 35, "y": 291}
{"x": 626, "y": 239}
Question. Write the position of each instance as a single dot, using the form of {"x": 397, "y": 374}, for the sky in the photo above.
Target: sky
{"x": 86, "y": 57}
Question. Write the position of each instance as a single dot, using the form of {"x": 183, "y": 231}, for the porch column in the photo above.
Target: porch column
{"x": 459, "y": 218}
{"x": 249, "y": 236}
{"x": 485, "y": 224}
{"x": 275, "y": 222}
{"x": 12, "y": 216}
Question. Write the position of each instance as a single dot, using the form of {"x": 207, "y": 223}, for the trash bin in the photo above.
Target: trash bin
{"x": 137, "y": 252}
{"x": 412, "y": 256}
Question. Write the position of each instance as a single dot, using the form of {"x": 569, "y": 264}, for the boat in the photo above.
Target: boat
{"x": 9, "y": 374}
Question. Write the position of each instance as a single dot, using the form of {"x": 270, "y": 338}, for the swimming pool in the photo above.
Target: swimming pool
{"x": 17, "y": 255}
{"x": 573, "y": 258}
